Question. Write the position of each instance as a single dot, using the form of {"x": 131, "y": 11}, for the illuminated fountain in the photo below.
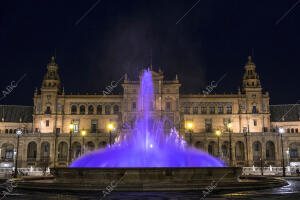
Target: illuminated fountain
{"x": 147, "y": 145}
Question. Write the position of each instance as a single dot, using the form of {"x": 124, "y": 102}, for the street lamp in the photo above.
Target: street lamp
{"x": 281, "y": 132}
{"x": 18, "y": 132}
{"x": 218, "y": 133}
{"x": 83, "y": 133}
{"x": 110, "y": 127}
{"x": 190, "y": 126}
{"x": 70, "y": 143}
{"x": 229, "y": 125}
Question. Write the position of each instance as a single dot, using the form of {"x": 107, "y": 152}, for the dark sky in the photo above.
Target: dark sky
{"x": 116, "y": 37}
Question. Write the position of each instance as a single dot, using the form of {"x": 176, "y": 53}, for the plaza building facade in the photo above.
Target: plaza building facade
{"x": 248, "y": 126}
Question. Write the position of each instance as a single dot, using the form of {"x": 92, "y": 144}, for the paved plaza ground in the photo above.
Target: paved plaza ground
{"x": 291, "y": 191}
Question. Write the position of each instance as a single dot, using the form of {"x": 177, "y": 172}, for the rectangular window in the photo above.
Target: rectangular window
{"x": 296, "y": 130}
{"x": 220, "y": 110}
{"x": 244, "y": 129}
{"x": 212, "y": 110}
{"x": 168, "y": 106}
{"x": 58, "y": 107}
{"x": 208, "y": 125}
{"x": 203, "y": 110}
{"x": 133, "y": 106}
{"x": 76, "y": 125}
{"x": 186, "y": 110}
{"x": 229, "y": 109}
{"x": 47, "y": 123}
{"x": 255, "y": 122}
{"x": 94, "y": 125}
{"x": 225, "y": 122}
{"x": 58, "y": 130}
{"x": 264, "y": 107}
{"x": 37, "y": 130}
{"x": 195, "y": 110}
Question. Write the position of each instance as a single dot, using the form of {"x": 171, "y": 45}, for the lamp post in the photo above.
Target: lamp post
{"x": 229, "y": 125}
{"x": 83, "y": 133}
{"x": 281, "y": 132}
{"x": 110, "y": 127}
{"x": 19, "y": 132}
{"x": 190, "y": 129}
{"x": 218, "y": 133}
{"x": 70, "y": 143}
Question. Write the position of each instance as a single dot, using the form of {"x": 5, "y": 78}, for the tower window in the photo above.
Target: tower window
{"x": 254, "y": 110}
{"x": 255, "y": 122}
{"x": 47, "y": 123}
{"x": 48, "y": 110}
{"x": 58, "y": 107}
{"x": 168, "y": 106}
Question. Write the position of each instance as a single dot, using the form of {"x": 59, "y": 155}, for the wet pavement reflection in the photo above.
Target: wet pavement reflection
{"x": 291, "y": 191}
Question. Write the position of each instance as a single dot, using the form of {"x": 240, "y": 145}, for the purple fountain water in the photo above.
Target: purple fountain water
{"x": 146, "y": 145}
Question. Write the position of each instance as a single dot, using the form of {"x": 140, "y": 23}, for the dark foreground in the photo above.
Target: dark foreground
{"x": 291, "y": 191}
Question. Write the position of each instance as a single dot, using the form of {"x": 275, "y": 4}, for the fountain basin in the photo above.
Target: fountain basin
{"x": 99, "y": 180}
{"x": 146, "y": 179}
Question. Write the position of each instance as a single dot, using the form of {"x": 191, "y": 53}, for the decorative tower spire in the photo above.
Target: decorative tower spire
{"x": 250, "y": 78}
{"x": 51, "y": 79}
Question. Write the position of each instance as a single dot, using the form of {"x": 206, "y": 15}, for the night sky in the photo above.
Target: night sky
{"x": 97, "y": 42}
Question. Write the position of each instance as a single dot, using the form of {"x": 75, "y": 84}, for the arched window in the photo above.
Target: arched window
{"x": 116, "y": 109}
{"x": 74, "y": 110}
{"x": 90, "y": 146}
{"x": 10, "y": 131}
{"x": 45, "y": 152}
{"x": 91, "y": 110}
{"x": 270, "y": 151}
{"x": 107, "y": 110}
{"x": 225, "y": 150}
{"x": 212, "y": 148}
{"x": 99, "y": 110}
{"x": 167, "y": 126}
{"x": 62, "y": 151}
{"x": 292, "y": 130}
{"x": 239, "y": 151}
{"x": 294, "y": 154}
{"x": 6, "y": 131}
{"x": 257, "y": 151}
{"x": 199, "y": 145}
{"x": 254, "y": 110}
{"x": 82, "y": 110}
{"x": 102, "y": 144}
{"x": 7, "y": 151}
{"x": 31, "y": 151}
{"x": 76, "y": 150}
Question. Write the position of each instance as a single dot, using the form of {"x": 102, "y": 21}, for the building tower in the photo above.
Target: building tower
{"x": 45, "y": 108}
